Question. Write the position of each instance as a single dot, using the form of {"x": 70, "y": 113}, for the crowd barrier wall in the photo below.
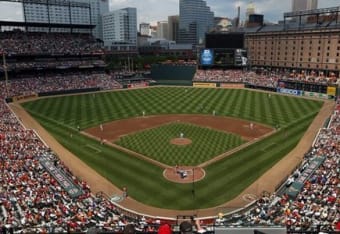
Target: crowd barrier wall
{"x": 71, "y": 91}
{"x": 24, "y": 96}
{"x": 232, "y": 85}
{"x": 172, "y": 83}
{"x": 250, "y": 86}
{"x": 204, "y": 85}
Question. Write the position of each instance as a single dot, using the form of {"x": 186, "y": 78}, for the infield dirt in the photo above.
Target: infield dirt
{"x": 113, "y": 130}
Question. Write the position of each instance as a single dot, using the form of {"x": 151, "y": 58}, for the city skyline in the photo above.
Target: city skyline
{"x": 152, "y": 11}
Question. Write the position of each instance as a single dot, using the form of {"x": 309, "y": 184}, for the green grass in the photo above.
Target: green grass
{"x": 224, "y": 180}
{"x": 155, "y": 143}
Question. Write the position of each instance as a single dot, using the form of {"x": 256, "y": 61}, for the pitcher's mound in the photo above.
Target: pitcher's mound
{"x": 180, "y": 141}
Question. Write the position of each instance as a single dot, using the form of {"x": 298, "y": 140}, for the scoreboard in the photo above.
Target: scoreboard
{"x": 233, "y": 40}
{"x": 223, "y": 57}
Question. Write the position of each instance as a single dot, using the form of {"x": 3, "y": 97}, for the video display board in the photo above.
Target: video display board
{"x": 218, "y": 57}
{"x": 207, "y": 57}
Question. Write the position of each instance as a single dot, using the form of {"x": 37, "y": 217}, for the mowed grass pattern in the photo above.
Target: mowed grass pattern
{"x": 91, "y": 109}
{"x": 155, "y": 143}
{"x": 224, "y": 179}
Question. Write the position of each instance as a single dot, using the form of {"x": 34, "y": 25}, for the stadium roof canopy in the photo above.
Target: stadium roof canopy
{"x": 53, "y": 2}
{"x": 45, "y": 25}
{"x": 26, "y": 24}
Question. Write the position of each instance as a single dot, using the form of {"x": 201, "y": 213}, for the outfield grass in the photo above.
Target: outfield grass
{"x": 155, "y": 143}
{"x": 224, "y": 180}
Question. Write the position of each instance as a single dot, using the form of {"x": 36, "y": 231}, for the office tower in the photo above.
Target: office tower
{"x": 173, "y": 24}
{"x": 120, "y": 27}
{"x": 162, "y": 29}
{"x": 98, "y": 8}
{"x": 144, "y": 29}
{"x": 195, "y": 19}
{"x": 302, "y": 5}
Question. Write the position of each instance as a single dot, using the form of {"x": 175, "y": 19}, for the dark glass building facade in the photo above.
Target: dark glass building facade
{"x": 195, "y": 19}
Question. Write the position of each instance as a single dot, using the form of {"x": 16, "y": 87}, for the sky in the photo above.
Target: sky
{"x": 151, "y": 11}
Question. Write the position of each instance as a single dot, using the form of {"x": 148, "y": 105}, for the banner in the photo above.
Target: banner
{"x": 290, "y": 91}
{"x": 205, "y": 85}
{"x": 21, "y": 97}
{"x": 331, "y": 91}
{"x": 138, "y": 85}
{"x": 316, "y": 95}
{"x": 232, "y": 85}
{"x": 72, "y": 189}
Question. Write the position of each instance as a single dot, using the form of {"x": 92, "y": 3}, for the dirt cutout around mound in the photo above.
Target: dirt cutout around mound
{"x": 181, "y": 141}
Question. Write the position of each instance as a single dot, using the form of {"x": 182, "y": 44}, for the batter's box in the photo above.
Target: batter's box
{"x": 184, "y": 174}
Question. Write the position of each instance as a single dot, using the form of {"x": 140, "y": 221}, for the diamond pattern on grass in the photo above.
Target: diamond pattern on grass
{"x": 155, "y": 143}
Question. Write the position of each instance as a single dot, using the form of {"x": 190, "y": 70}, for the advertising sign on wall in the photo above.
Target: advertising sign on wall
{"x": 316, "y": 95}
{"x": 290, "y": 91}
{"x": 204, "y": 85}
{"x": 331, "y": 91}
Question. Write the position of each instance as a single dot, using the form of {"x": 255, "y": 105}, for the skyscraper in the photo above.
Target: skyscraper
{"x": 173, "y": 22}
{"x": 302, "y": 5}
{"x": 98, "y": 8}
{"x": 195, "y": 19}
{"x": 120, "y": 27}
{"x": 162, "y": 29}
{"x": 144, "y": 29}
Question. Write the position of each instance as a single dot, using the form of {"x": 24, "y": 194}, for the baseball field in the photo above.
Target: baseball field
{"x": 270, "y": 126}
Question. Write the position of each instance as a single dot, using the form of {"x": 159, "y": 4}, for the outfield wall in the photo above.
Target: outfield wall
{"x": 172, "y": 72}
{"x": 71, "y": 91}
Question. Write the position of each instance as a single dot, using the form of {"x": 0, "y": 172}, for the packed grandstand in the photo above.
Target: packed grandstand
{"x": 32, "y": 200}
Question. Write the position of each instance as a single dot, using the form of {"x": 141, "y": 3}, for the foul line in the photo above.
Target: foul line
{"x": 94, "y": 148}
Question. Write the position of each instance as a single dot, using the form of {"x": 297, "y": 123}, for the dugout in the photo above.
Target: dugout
{"x": 173, "y": 74}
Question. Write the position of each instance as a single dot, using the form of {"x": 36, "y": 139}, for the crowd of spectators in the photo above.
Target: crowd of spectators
{"x": 238, "y": 76}
{"x": 313, "y": 77}
{"x": 51, "y": 62}
{"x": 30, "y": 198}
{"x": 218, "y": 75}
{"x": 40, "y": 43}
{"x": 263, "y": 78}
{"x": 59, "y": 82}
{"x": 317, "y": 206}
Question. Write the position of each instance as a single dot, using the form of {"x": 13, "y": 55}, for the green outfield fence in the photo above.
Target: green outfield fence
{"x": 172, "y": 74}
